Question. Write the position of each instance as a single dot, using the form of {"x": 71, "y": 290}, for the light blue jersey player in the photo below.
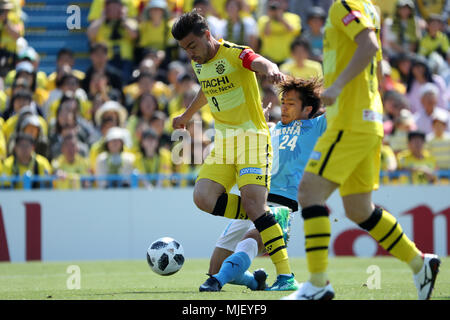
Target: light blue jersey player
{"x": 293, "y": 139}
{"x": 292, "y": 143}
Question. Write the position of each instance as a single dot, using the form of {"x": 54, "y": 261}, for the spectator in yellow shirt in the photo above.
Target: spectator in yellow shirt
{"x": 240, "y": 28}
{"x": 146, "y": 82}
{"x": 152, "y": 159}
{"x": 119, "y": 32}
{"x": 217, "y": 7}
{"x": 30, "y": 55}
{"x": 429, "y": 7}
{"x": 70, "y": 166}
{"x": 402, "y": 31}
{"x": 438, "y": 141}
{"x": 110, "y": 114}
{"x": 11, "y": 28}
{"x": 25, "y": 161}
{"x": 300, "y": 66}
{"x": 143, "y": 111}
{"x": 277, "y": 30}
{"x": 403, "y": 123}
{"x": 65, "y": 57}
{"x": 420, "y": 164}
{"x": 184, "y": 83}
{"x": 154, "y": 28}
{"x": 68, "y": 85}
{"x": 25, "y": 70}
{"x": 115, "y": 160}
{"x": 31, "y": 124}
{"x": 98, "y": 6}
{"x": 434, "y": 40}
{"x": 22, "y": 106}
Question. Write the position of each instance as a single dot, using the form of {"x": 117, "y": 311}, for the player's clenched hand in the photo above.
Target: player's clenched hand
{"x": 266, "y": 111}
{"x": 330, "y": 95}
{"x": 275, "y": 75}
{"x": 180, "y": 122}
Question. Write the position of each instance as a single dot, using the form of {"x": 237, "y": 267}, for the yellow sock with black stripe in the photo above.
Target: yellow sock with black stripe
{"x": 385, "y": 229}
{"x": 228, "y": 205}
{"x": 272, "y": 237}
{"x": 317, "y": 229}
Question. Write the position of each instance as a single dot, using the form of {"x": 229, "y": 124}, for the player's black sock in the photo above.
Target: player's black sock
{"x": 229, "y": 205}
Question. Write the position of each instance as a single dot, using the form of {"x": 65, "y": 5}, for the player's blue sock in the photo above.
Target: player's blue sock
{"x": 246, "y": 279}
{"x": 233, "y": 268}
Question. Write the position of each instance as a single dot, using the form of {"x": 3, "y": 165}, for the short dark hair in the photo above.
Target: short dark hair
{"x": 69, "y": 137}
{"x": 204, "y": 2}
{"x": 24, "y": 94}
{"x": 148, "y": 75}
{"x": 300, "y": 42}
{"x": 96, "y": 46}
{"x": 189, "y": 22}
{"x": 308, "y": 91}
{"x": 64, "y": 51}
{"x": 414, "y": 134}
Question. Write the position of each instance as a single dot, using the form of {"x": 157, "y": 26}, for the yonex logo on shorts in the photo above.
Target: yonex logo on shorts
{"x": 315, "y": 155}
{"x": 250, "y": 171}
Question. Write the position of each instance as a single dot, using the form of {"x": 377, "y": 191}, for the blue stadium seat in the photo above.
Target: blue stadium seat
{"x": 47, "y": 32}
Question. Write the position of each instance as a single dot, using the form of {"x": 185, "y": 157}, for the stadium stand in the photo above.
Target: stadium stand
{"x": 47, "y": 32}
{"x": 71, "y": 81}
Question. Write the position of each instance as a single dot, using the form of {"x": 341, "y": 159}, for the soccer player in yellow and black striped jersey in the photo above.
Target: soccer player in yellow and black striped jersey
{"x": 242, "y": 152}
{"x": 347, "y": 156}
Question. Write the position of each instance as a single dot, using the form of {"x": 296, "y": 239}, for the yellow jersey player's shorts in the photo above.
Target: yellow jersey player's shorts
{"x": 350, "y": 159}
{"x": 239, "y": 159}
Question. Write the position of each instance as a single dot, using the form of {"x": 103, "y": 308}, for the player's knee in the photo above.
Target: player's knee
{"x": 302, "y": 195}
{"x": 253, "y": 201}
{"x": 358, "y": 208}
{"x": 202, "y": 201}
{"x": 252, "y": 207}
{"x": 358, "y": 215}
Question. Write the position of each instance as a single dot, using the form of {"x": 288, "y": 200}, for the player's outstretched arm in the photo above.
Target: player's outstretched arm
{"x": 196, "y": 104}
{"x": 267, "y": 68}
{"x": 367, "y": 49}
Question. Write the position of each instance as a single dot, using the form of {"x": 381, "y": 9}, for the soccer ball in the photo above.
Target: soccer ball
{"x": 165, "y": 256}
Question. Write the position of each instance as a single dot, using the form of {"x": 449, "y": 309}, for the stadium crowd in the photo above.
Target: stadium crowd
{"x": 115, "y": 117}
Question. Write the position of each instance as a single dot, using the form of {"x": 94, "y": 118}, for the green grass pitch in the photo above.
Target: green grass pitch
{"x": 134, "y": 280}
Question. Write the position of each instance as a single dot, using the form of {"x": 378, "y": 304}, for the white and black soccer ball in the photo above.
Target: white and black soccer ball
{"x": 165, "y": 256}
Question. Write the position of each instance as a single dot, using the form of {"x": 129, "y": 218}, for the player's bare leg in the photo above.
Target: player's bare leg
{"x": 206, "y": 193}
{"x": 314, "y": 190}
{"x": 220, "y": 254}
{"x": 253, "y": 199}
{"x": 358, "y": 207}
{"x": 217, "y": 258}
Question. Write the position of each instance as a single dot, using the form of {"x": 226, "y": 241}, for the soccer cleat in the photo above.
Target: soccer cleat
{"x": 260, "y": 276}
{"x": 210, "y": 285}
{"x": 309, "y": 292}
{"x": 284, "y": 283}
{"x": 425, "y": 278}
